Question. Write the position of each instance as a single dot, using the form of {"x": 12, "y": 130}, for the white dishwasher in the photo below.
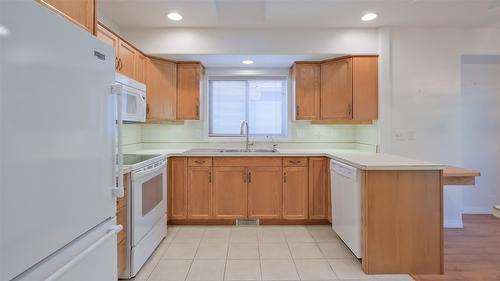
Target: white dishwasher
{"x": 346, "y": 204}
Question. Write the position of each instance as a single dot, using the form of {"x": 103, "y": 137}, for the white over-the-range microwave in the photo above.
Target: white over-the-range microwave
{"x": 134, "y": 99}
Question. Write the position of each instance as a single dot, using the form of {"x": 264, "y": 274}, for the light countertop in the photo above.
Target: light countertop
{"x": 358, "y": 158}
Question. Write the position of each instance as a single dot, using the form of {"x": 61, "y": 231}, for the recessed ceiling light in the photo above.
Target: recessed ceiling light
{"x": 369, "y": 17}
{"x": 174, "y": 16}
{"x": 247, "y": 62}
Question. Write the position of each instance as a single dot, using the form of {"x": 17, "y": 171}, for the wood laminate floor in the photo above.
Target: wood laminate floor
{"x": 471, "y": 253}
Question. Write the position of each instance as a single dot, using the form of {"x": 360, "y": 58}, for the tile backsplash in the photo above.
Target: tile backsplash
{"x": 300, "y": 134}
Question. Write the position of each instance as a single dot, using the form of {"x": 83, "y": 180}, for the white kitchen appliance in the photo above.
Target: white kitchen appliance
{"x": 346, "y": 205}
{"x": 134, "y": 99}
{"x": 147, "y": 214}
{"x": 57, "y": 149}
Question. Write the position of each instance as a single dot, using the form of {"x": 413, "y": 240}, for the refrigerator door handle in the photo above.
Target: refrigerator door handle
{"x": 58, "y": 273}
{"x": 118, "y": 191}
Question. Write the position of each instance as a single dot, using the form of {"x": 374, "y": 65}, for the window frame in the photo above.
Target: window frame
{"x": 246, "y": 79}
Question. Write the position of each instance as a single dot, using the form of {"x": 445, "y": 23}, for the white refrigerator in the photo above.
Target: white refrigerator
{"x": 57, "y": 149}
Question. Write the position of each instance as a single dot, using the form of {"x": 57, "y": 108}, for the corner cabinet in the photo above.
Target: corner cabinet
{"x": 336, "y": 89}
{"x": 341, "y": 90}
{"x": 80, "y": 12}
{"x": 189, "y": 90}
{"x": 161, "y": 83}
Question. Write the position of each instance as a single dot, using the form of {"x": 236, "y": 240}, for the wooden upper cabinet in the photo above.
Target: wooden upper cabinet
{"x": 161, "y": 87}
{"x": 140, "y": 68}
{"x": 230, "y": 192}
{"x": 189, "y": 89}
{"x": 295, "y": 192}
{"x": 126, "y": 59}
{"x": 264, "y": 192}
{"x": 177, "y": 188}
{"x": 199, "y": 192}
{"x": 80, "y": 12}
{"x": 306, "y": 90}
{"x": 365, "y": 88}
{"x": 318, "y": 188}
{"x": 109, "y": 37}
{"x": 336, "y": 89}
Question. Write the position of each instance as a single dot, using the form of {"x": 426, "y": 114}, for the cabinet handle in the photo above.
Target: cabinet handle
{"x": 295, "y": 161}
{"x": 210, "y": 177}
{"x": 284, "y": 177}
{"x": 249, "y": 177}
{"x": 199, "y": 161}
{"x": 349, "y": 110}
{"x": 116, "y": 63}
{"x": 297, "y": 110}
{"x": 120, "y": 64}
{"x": 147, "y": 108}
{"x": 197, "y": 111}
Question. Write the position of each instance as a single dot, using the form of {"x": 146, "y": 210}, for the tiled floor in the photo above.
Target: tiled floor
{"x": 246, "y": 253}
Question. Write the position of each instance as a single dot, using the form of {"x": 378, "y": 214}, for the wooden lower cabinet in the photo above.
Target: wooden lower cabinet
{"x": 295, "y": 193}
{"x": 199, "y": 192}
{"x": 402, "y": 222}
{"x": 230, "y": 192}
{"x": 318, "y": 188}
{"x": 264, "y": 192}
{"x": 177, "y": 188}
{"x": 266, "y": 188}
{"x": 121, "y": 218}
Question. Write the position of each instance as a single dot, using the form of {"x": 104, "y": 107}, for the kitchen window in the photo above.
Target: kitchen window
{"x": 262, "y": 102}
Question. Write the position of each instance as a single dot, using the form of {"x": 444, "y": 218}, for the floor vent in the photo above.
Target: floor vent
{"x": 246, "y": 222}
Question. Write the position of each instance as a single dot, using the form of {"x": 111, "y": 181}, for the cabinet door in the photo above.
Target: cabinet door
{"x": 199, "y": 192}
{"x": 189, "y": 83}
{"x": 80, "y": 12}
{"x": 230, "y": 192}
{"x": 306, "y": 90}
{"x": 177, "y": 188}
{"x": 295, "y": 193}
{"x": 126, "y": 57}
{"x": 108, "y": 37}
{"x": 161, "y": 89}
{"x": 336, "y": 89}
{"x": 365, "y": 88}
{"x": 318, "y": 188}
{"x": 264, "y": 192}
{"x": 140, "y": 68}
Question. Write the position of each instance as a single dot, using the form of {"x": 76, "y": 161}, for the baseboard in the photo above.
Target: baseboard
{"x": 477, "y": 210}
{"x": 262, "y": 222}
{"x": 453, "y": 224}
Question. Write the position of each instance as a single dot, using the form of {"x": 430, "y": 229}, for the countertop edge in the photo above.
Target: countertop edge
{"x": 331, "y": 156}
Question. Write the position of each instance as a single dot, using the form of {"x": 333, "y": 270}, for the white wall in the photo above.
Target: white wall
{"x": 253, "y": 41}
{"x": 422, "y": 76}
{"x": 481, "y": 130}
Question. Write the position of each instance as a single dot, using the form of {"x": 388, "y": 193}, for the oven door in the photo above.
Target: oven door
{"x": 134, "y": 105}
{"x": 149, "y": 198}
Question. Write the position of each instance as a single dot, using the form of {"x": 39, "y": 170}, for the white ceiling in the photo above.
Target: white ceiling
{"x": 301, "y": 13}
{"x": 260, "y": 61}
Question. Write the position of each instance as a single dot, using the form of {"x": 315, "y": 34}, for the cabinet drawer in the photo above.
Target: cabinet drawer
{"x": 294, "y": 161}
{"x": 200, "y": 161}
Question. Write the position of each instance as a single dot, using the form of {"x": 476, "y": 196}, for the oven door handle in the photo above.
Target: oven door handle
{"x": 150, "y": 171}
